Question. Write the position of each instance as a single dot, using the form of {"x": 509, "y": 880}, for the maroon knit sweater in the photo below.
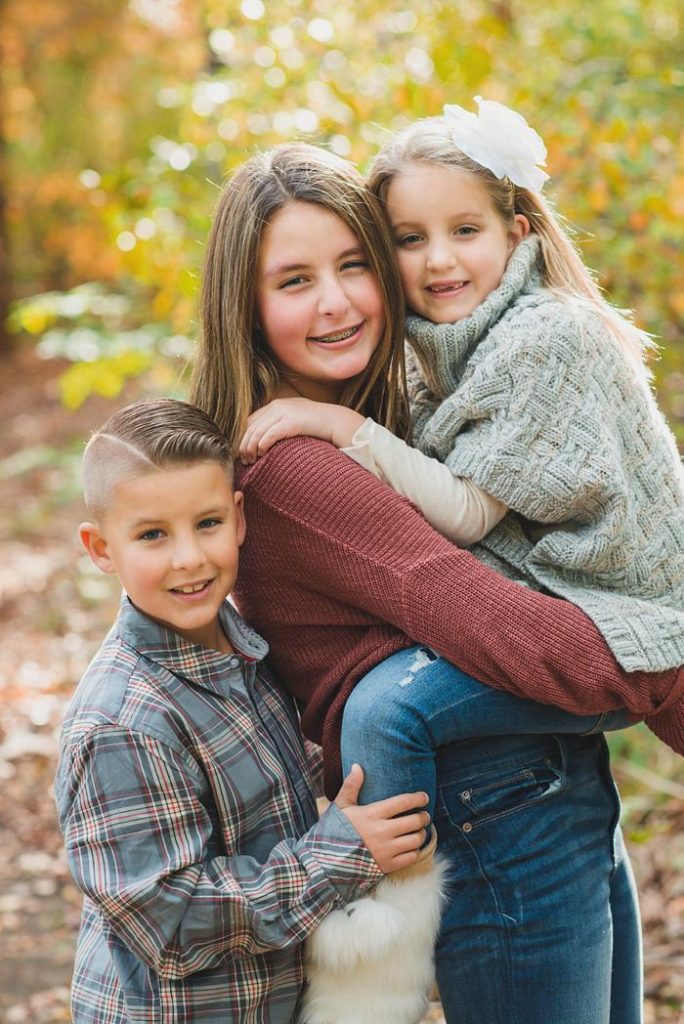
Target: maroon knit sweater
{"x": 338, "y": 572}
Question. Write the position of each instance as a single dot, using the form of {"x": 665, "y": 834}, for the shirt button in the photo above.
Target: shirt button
{"x": 467, "y": 827}
{"x": 233, "y": 662}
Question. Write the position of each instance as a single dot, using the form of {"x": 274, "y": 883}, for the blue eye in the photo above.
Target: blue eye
{"x": 357, "y": 264}
{"x": 291, "y": 282}
{"x": 411, "y": 239}
{"x": 151, "y": 535}
{"x": 208, "y": 523}
{"x": 466, "y": 231}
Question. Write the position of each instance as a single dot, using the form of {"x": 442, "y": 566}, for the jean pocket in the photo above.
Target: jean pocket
{"x": 473, "y": 802}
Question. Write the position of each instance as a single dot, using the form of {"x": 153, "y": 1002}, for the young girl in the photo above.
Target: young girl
{"x": 301, "y": 297}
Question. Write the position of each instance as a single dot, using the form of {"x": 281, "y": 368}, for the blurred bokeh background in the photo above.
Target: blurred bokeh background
{"x": 119, "y": 120}
{"x": 122, "y": 117}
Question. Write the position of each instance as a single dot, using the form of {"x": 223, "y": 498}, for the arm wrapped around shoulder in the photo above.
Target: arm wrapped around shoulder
{"x": 342, "y": 552}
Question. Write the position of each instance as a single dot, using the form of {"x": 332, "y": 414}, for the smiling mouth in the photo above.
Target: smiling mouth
{"x": 331, "y": 339}
{"x": 450, "y": 288}
{"x": 191, "y": 588}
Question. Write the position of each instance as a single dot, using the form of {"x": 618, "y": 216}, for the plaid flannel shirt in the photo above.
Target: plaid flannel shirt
{"x": 190, "y": 826}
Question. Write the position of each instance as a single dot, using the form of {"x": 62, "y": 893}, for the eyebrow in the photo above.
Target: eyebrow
{"x": 466, "y": 215}
{"x": 290, "y": 268}
{"x": 218, "y": 510}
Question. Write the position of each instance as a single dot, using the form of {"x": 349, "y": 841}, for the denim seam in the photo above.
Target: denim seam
{"x": 598, "y": 725}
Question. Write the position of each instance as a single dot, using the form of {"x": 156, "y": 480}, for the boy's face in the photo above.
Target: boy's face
{"x": 172, "y": 537}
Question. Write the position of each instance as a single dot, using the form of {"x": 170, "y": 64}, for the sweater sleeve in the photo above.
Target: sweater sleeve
{"x": 456, "y": 507}
{"x": 364, "y": 545}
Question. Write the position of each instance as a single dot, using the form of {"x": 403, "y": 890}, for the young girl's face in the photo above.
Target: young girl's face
{"x": 318, "y": 302}
{"x": 451, "y": 242}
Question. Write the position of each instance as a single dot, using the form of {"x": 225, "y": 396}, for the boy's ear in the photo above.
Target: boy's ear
{"x": 95, "y": 543}
{"x": 240, "y": 521}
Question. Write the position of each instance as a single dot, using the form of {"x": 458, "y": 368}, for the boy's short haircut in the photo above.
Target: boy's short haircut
{"x": 144, "y": 437}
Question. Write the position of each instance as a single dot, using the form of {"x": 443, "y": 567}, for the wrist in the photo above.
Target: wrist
{"x": 344, "y": 424}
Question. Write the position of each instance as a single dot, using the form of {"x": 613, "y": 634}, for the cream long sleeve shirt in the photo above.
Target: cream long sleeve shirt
{"x": 456, "y": 507}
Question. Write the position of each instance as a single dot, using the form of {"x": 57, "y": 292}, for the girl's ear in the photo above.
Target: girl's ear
{"x": 95, "y": 543}
{"x": 519, "y": 230}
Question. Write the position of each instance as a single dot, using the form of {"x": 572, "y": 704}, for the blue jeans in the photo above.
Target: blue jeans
{"x": 541, "y": 924}
{"x": 414, "y": 701}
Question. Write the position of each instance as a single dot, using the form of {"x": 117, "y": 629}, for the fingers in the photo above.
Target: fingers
{"x": 390, "y": 840}
{"x": 414, "y": 842}
{"x": 350, "y": 788}
{"x": 401, "y": 860}
{"x": 410, "y": 823}
{"x": 409, "y": 841}
{"x": 400, "y": 852}
{"x": 401, "y": 803}
{"x": 275, "y": 432}
{"x": 281, "y": 418}
{"x": 249, "y": 445}
{"x": 260, "y": 435}
{"x": 258, "y": 425}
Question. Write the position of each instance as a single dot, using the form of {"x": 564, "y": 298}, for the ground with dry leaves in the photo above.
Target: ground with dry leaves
{"x": 54, "y": 609}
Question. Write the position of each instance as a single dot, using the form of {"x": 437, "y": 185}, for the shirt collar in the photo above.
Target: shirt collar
{"x": 202, "y": 665}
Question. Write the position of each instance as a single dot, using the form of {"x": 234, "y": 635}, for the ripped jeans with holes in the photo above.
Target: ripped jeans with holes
{"x": 415, "y": 701}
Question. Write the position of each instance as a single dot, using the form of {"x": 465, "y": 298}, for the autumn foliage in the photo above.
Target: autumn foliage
{"x": 121, "y": 119}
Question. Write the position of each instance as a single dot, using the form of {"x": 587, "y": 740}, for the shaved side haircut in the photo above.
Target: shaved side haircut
{"x": 145, "y": 437}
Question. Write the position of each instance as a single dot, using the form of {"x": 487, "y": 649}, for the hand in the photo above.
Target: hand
{"x": 393, "y": 841}
{"x": 292, "y": 417}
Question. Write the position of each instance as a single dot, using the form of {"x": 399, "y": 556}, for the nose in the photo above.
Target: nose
{"x": 332, "y": 299}
{"x": 187, "y": 551}
{"x": 440, "y": 255}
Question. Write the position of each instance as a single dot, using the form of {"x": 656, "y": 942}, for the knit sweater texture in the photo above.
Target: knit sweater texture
{"x": 533, "y": 399}
{"x": 338, "y": 572}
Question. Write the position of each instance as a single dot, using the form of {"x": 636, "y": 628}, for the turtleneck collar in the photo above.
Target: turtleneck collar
{"x": 443, "y": 349}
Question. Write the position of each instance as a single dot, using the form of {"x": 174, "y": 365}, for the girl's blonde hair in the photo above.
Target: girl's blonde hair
{"x": 234, "y": 370}
{"x": 431, "y": 141}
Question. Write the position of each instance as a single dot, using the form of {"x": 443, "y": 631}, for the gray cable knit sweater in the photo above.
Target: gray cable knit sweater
{"x": 532, "y": 398}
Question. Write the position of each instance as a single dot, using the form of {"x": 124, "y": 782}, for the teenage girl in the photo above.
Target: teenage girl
{"x": 301, "y": 298}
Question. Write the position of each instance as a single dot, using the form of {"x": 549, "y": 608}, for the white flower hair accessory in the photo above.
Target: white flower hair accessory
{"x": 500, "y": 140}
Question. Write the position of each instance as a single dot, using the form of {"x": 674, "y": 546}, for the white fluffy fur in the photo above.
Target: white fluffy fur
{"x": 373, "y": 961}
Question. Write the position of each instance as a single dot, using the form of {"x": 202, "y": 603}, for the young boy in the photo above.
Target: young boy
{"x": 183, "y": 788}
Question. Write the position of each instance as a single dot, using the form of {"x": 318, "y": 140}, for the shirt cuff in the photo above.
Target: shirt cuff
{"x": 342, "y": 855}
{"x": 360, "y": 449}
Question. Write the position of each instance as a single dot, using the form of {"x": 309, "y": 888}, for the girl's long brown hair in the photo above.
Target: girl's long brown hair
{"x": 234, "y": 371}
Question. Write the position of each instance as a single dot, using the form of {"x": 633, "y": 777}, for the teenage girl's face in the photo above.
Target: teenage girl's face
{"x": 451, "y": 243}
{"x": 318, "y": 302}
